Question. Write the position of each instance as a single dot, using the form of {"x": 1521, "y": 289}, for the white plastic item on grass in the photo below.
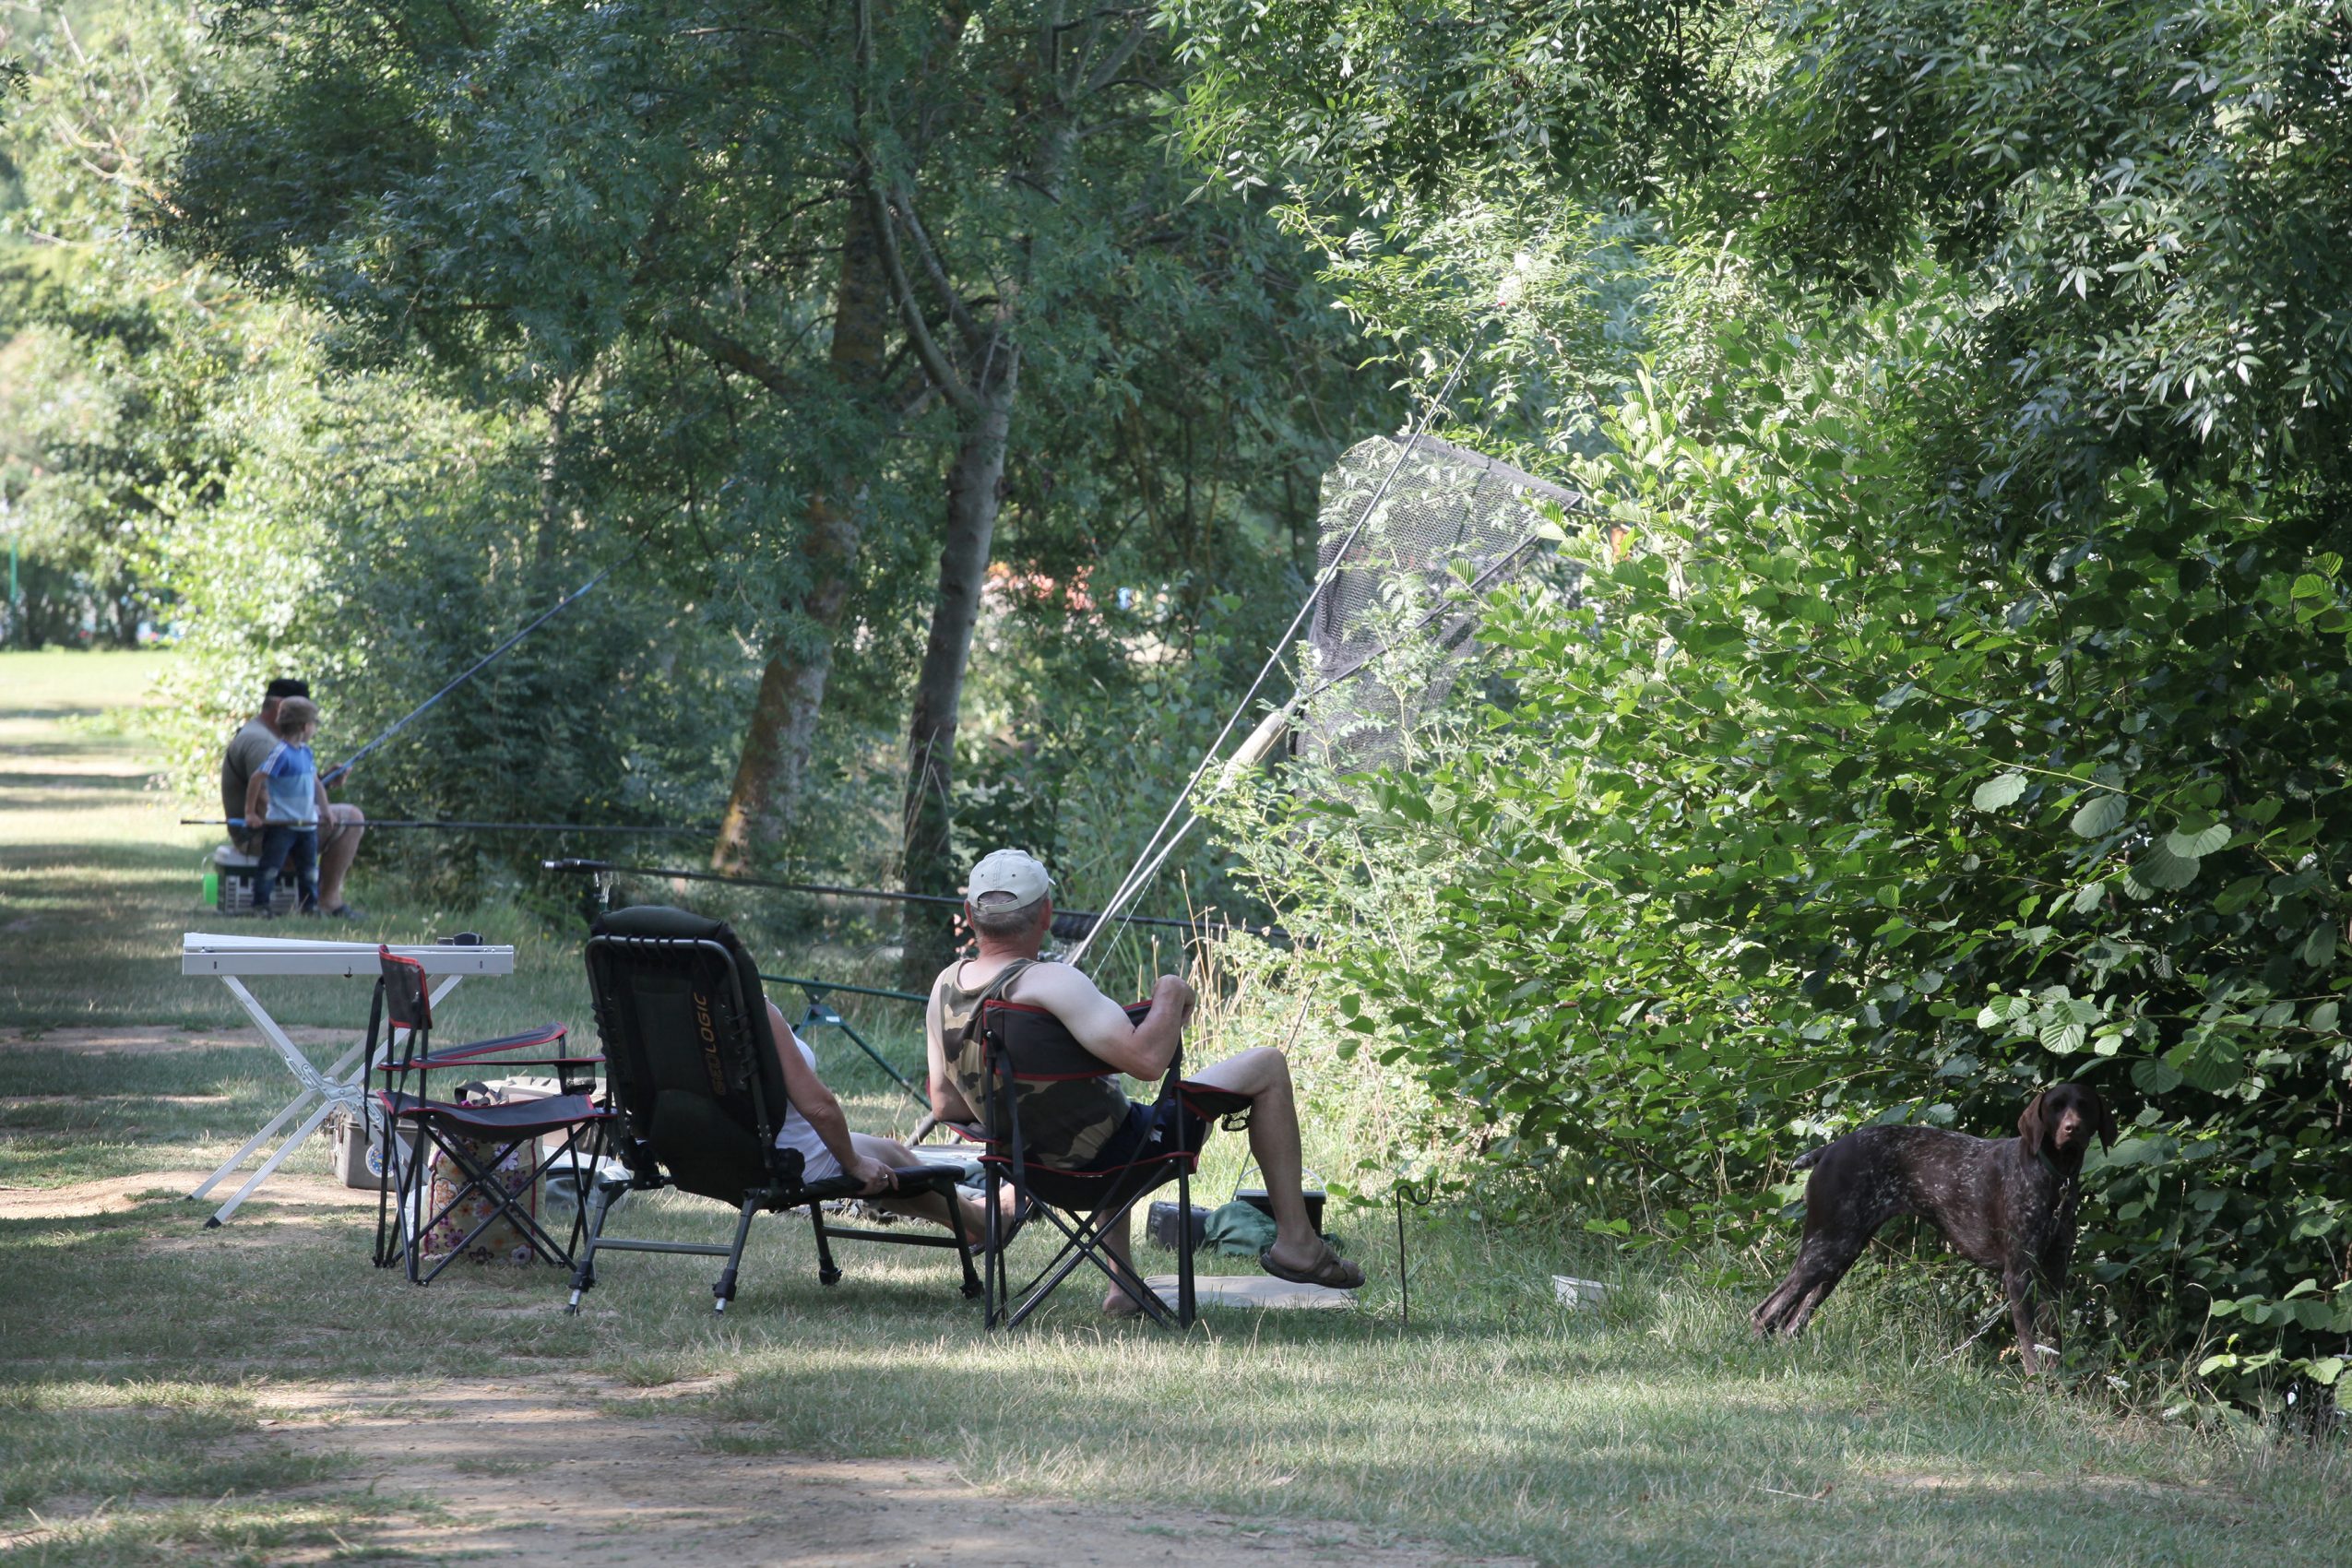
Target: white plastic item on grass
{"x": 1579, "y": 1295}
{"x": 1258, "y": 1290}
{"x": 559, "y": 1197}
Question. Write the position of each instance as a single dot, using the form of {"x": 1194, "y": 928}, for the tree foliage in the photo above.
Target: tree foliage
{"x": 804, "y": 303}
{"x": 104, "y": 352}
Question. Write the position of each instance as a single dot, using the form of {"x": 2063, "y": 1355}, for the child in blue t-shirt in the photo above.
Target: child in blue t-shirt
{"x": 282, "y": 803}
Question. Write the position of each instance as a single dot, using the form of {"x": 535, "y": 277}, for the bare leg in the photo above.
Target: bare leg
{"x": 1264, "y": 1075}
{"x": 924, "y": 1206}
{"x": 337, "y": 843}
{"x": 1115, "y": 1239}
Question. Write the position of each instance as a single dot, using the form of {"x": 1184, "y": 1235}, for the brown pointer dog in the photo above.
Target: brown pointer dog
{"x": 2007, "y": 1205}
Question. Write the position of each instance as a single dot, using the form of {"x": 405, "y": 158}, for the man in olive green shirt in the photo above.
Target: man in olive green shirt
{"x": 340, "y": 827}
{"x": 1009, "y": 902}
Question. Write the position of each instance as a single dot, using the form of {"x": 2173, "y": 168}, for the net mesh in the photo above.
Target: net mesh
{"x": 1390, "y": 626}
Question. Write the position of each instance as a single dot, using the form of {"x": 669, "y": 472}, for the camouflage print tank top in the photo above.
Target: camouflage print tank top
{"x": 1064, "y": 1121}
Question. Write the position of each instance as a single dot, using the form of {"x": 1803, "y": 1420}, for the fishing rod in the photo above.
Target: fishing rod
{"x": 335, "y": 775}
{"x": 1079, "y": 919}
{"x": 372, "y": 824}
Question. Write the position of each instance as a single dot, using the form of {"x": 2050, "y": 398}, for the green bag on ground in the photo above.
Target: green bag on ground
{"x": 1239, "y": 1229}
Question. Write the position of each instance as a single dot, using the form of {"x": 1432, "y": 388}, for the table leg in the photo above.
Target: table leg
{"x": 270, "y": 1165}
{"x": 330, "y": 1087}
{"x": 267, "y": 1130}
{"x": 342, "y": 1065}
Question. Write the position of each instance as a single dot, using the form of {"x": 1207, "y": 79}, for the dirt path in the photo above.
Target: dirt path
{"x": 158, "y": 1039}
{"x": 538, "y": 1480}
{"x": 286, "y": 1198}
{"x": 537, "y": 1476}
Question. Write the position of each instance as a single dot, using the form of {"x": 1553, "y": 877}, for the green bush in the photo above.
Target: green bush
{"x": 1809, "y": 810}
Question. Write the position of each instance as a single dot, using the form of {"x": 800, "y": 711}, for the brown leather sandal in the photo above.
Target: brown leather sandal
{"x": 1330, "y": 1271}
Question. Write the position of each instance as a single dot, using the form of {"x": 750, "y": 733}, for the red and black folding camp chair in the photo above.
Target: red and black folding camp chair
{"x": 492, "y": 1155}
{"x": 699, "y": 1089}
{"x": 1028, "y": 1045}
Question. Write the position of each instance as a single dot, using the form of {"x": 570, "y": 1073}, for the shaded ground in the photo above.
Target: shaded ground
{"x": 537, "y": 1473}
{"x": 155, "y": 1039}
{"x": 543, "y": 1482}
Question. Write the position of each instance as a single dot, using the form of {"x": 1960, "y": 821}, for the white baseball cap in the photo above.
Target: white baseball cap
{"x": 1008, "y": 871}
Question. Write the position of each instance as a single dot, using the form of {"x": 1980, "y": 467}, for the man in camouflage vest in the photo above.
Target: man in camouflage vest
{"x": 1090, "y": 1124}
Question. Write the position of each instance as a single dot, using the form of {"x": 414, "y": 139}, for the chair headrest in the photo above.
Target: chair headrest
{"x": 661, "y": 921}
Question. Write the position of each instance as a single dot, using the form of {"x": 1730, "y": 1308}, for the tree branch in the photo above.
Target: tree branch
{"x": 738, "y": 357}
{"x": 934, "y": 360}
{"x": 1116, "y": 61}
{"x": 958, "y": 310}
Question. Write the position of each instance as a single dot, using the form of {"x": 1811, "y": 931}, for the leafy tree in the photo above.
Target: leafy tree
{"x": 109, "y": 348}
{"x": 775, "y": 288}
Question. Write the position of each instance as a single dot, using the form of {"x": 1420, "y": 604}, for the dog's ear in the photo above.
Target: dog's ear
{"x": 2032, "y": 1131}
{"x": 2106, "y": 1123}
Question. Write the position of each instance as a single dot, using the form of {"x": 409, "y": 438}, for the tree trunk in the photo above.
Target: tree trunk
{"x": 548, "y": 546}
{"x": 927, "y": 862}
{"x": 800, "y": 655}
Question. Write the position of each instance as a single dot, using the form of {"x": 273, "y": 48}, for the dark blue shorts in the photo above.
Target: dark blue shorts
{"x": 1149, "y": 1130}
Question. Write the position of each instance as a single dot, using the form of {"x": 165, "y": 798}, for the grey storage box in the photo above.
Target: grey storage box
{"x": 1161, "y": 1226}
{"x": 236, "y": 873}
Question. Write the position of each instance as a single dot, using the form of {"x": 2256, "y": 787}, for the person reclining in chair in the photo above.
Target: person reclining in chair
{"x": 1089, "y": 1124}
{"x": 815, "y": 1124}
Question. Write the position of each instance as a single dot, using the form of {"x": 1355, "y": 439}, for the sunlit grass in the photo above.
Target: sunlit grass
{"x": 139, "y": 1353}
{"x": 232, "y": 1532}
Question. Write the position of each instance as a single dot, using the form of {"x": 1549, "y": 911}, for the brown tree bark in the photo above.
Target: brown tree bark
{"x": 975, "y": 488}
{"x": 800, "y": 655}
{"x": 983, "y": 387}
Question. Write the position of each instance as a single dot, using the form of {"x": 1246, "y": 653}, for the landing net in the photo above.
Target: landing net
{"x": 1400, "y": 583}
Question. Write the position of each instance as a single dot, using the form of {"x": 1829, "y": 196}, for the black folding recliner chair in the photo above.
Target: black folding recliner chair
{"x": 1029, "y": 1044}
{"x": 497, "y": 1153}
{"x": 699, "y": 1090}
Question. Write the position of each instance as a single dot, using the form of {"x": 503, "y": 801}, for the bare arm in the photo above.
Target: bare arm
{"x": 256, "y": 801}
{"x": 1140, "y": 1051}
{"x": 821, "y": 1110}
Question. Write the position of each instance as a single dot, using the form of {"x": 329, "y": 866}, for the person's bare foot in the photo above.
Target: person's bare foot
{"x": 1008, "y": 1208}
{"x": 1119, "y": 1304}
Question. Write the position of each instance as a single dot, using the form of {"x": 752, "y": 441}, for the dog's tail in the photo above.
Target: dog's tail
{"x": 1808, "y": 1160}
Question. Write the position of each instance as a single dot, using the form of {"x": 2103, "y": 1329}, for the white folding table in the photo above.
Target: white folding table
{"x": 230, "y": 958}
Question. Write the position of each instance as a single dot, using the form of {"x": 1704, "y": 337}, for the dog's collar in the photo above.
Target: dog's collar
{"x": 2065, "y": 1178}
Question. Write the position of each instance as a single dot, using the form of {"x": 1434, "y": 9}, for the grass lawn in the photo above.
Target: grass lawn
{"x": 259, "y": 1393}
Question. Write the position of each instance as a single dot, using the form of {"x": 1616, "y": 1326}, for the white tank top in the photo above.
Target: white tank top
{"x": 817, "y": 1163}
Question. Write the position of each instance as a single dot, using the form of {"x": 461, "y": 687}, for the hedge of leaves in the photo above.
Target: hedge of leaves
{"x": 1810, "y": 810}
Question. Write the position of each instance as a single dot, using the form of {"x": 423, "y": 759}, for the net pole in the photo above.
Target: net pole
{"x": 1146, "y": 863}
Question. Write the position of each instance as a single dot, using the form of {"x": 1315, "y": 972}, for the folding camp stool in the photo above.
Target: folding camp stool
{"x": 1025, "y": 1043}
{"x": 419, "y": 1129}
